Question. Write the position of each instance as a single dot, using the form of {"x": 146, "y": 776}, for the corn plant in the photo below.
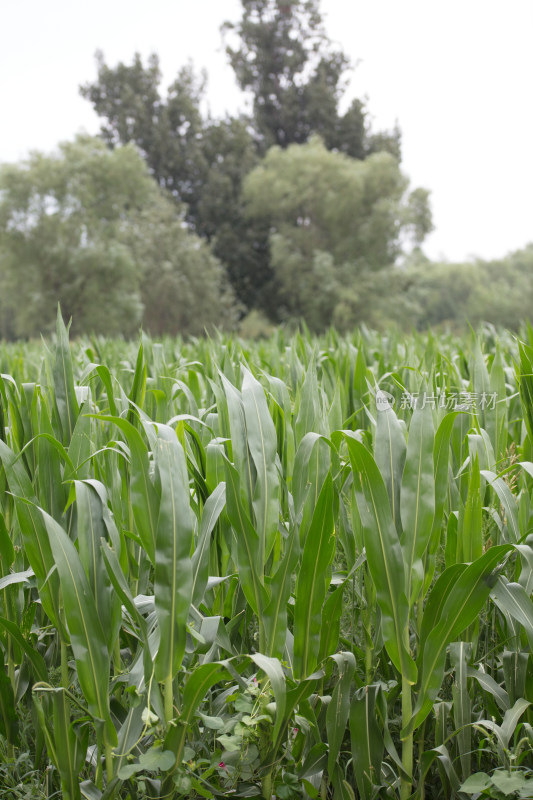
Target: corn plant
{"x": 296, "y": 568}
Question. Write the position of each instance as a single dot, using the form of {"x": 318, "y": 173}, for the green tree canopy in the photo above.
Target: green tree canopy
{"x": 183, "y": 286}
{"x": 200, "y": 161}
{"x": 334, "y": 222}
{"x": 500, "y": 291}
{"x": 68, "y": 224}
{"x": 280, "y": 52}
{"x": 168, "y": 131}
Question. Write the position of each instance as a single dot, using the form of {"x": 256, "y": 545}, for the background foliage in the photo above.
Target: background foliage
{"x": 88, "y": 227}
{"x": 297, "y": 211}
{"x": 301, "y": 568}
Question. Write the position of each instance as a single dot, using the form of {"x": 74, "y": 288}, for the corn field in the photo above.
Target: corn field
{"x": 300, "y": 568}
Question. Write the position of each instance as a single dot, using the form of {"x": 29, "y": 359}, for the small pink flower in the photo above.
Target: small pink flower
{"x": 222, "y": 765}
{"x": 294, "y": 731}
{"x": 255, "y": 680}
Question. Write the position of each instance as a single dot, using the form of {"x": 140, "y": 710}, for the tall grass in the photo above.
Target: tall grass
{"x": 297, "y": 568}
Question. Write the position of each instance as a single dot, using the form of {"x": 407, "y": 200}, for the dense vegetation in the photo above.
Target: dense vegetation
{"x": 178, "y": 221}
{"x": 302, "y": 568}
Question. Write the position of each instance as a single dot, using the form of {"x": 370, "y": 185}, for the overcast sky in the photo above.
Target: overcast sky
{"x": 457, "y": 75}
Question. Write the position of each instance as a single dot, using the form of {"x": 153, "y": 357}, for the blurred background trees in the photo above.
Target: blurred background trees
{"x": 89, "y": 228}
{"x": 282, "y": 56}
{"x": 334, "y": 222}
{"x": 179, "y": 221}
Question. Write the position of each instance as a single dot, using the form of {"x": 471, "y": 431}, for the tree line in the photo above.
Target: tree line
{"x": 180, "y": 221}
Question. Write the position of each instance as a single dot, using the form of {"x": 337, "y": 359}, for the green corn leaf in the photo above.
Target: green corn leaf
{"x": 437, "y": 598}
{"x": 138, "y": 387}
{"x": 7, "y": 550}
{"x": 65, "y": 393}
{"x": 144, "y": 500}
{"x": 8, "y": 714}
{"x": 332, "y": 611}
{"x": 34, "y": 657}
{"x": 122, "y": 589}
{"x": 215, "y": 464}
{"x": 3, "y": 412}
{"x": 67, "y": 745}
{"x": 508, "y": 502}
{"x": 262, "y": 440}
{"x": 129, "y": 736}
{"x": 312, "y": 583}
{"x": 242, "y": 458}
{"x": 441, "y": 460}
{"x": 463, "y": 600}
{"x": 91, "y": 527}
{"x": 87, "y": 637}
{"x": 80, "y": 447}
{"x": 173, "y": 566}
{"x": 311, "y": 465}
{"x": 488, "y": 684}
{"x": 389, "y": 453}
{"x": 525, "y": 382}
{"x": 511, "y": 717}
{"x": 283, "y": 422}
{"x": 442, "y": 755}
{"x": 44, "y": 718}
{"x": 50, "y": 458}
{"x": 34, "y": 534}
{"x": 515, "y": 673}
{"x": 367, "y": 741}
{"x": 512, "y": 599}
{"x": 460, "y": 654}
{"x": 275, "y": 612}
{"x": 505, "y": 731}
{"x": 105, "y": 376}
{"x": 480, "y": 445}
{"x": 314, "y": 762}
{"x": 481, "y": 382}
{"x": 247, "y": 544}
{"x": 338, "y": 710}
{"x": 496, "y": 418}
{"x": 294, "y": 696}
{"x": 384, "y": 555}
{"x": 308, "y": 409}
{"x": 469, "y": 529}
{"x": 272, "y": 668}
{"x": 200, "y": 559}
{"x": 417, "y": 500}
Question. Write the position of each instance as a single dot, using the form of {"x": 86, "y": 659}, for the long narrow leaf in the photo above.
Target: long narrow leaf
{"x": 173, "y": 566}
{"x": 87, "y": 638}
{"x": 417, "y": 500}
{"x": 384, "y": 555}
{"x": 464, "y": 599}
{"x": 312, "y": 583}
{"x": 261, "y": 436}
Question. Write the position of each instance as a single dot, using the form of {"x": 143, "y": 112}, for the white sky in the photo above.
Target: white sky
{"x": 457, "y": 75}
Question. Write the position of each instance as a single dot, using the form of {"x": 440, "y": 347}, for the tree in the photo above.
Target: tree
{"x": 167, "y": 131}
{"x": 453, "y": 294}
{"x": 201, "y": 162}
{"x": 334, "y": 223}
{"x": 68, "y": 223}
{"x": 60, "y": 217}
{"x": 184, "y": 287}
{"x": 280, "y": 53}
{"x": 241, "y": 245}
